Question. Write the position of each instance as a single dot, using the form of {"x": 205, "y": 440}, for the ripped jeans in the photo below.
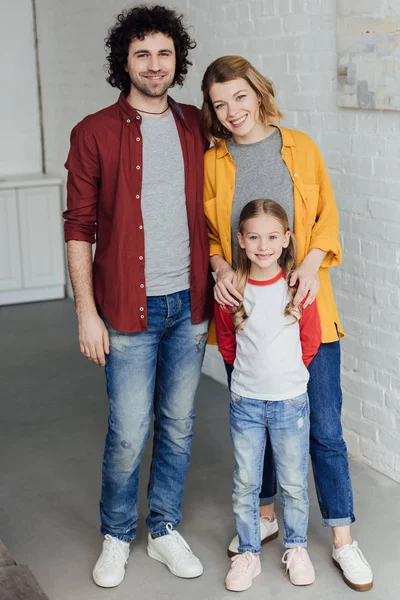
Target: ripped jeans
{"x": 288, "y": 425}
{"x": 154, "y": 372}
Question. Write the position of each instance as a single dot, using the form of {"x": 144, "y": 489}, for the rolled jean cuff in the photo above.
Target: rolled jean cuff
{"x": 121, "y": 538}
{"x": 251, "y": 549}
{"x": 158, "y": 534}
{"x": 292, "y": 544}
{"x": 339, "y": 522}
{"x": 267, "y": 501}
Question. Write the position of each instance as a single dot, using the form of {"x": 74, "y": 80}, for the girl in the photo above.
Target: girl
{"x": 269, "y": 343}
{"x": 253, "y": 157}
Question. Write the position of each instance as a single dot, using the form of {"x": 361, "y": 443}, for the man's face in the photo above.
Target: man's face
{"x": 151, "y": 64}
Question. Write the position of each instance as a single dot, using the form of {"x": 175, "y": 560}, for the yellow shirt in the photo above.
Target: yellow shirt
{"x": 316, "y": 222}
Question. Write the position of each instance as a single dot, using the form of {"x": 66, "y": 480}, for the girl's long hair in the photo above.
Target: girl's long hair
{"x": 287, "y": 260}
{"x": 228, "y": 68}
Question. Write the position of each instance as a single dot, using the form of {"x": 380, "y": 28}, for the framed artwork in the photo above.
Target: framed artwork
{"x": 368, "y": 57}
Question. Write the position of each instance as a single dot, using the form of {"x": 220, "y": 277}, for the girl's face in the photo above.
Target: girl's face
{"x": 237, "y": 107}
{"x": 263, "y": 240}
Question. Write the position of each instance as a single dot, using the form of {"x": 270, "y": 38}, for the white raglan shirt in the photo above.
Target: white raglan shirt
{"x": 269, "y": 363}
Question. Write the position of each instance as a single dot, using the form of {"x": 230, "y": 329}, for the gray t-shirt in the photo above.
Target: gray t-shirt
{"x": 166, "y": 232}
{"x": 260, "y": 173}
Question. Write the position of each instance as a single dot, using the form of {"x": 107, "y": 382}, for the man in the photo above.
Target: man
{"x": 135, "y": 187}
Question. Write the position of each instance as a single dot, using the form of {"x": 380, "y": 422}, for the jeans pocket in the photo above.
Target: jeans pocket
{"x": 299, "y": 402}
{"x": 235, "y": 399}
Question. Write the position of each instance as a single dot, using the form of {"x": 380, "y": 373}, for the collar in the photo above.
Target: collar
{"x": 129, "y": 112}
{"x": 280, "y": 275}
{"x": 287, "y": 141}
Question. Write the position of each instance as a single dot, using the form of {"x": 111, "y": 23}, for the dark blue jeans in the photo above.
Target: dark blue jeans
{"x": 327, "y": 447}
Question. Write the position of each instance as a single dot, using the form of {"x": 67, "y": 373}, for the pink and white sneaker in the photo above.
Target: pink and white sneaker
{"x": 299, "y": 566}
{"x": 244, "y": 568}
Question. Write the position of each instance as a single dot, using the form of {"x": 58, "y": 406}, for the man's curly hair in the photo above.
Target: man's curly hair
{"x": 136, "y": 23}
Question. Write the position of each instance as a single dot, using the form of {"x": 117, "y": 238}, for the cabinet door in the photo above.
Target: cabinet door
{"x": 41, "y": 236}
{"x": 10, "y": 257}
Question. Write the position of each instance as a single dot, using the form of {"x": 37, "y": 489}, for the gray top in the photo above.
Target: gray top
{"x": 166, "y": 232}
{"x": 260, "y": 173}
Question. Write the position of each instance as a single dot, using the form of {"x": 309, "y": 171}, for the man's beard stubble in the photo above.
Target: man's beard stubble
{"x": 150, "y": 92}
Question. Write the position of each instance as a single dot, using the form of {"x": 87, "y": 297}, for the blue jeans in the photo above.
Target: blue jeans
{"x": 288, "y": 424}
{"x": 327, "y": 447}
{"x": 269, "y": 485}
{"x": 151, "y": 372}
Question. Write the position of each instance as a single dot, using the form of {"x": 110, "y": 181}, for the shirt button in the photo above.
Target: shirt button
{"x": 294, "y": 174}
{"x": 138, "y": 118}
{"x": 137, "y": 196}
{"x": 140, "y": 257}
{"x": 138, "y": 167}
{"x": 128, "y": 120}
{"x": 140, "y": 226}
{"x": 138, "y": 139}
{"x": 141, "y": 309}
{"x": 142, "y": 285}
{"x": 142, "y": 316}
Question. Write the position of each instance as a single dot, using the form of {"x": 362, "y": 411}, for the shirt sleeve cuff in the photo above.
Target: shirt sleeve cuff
{"x": 216, "y": 249}
{"x": 329, "y": 245}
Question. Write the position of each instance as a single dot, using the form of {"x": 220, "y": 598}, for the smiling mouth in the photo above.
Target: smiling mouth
{"x": 238, "y": 122}
{"x": 154, "y": 77}
{"x": 264, "y": 256}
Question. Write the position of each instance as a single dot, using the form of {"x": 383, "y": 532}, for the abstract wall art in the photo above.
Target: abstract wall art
{"x": 368, "y": 61}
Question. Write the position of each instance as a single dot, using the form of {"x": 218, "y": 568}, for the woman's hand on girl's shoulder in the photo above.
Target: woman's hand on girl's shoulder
{"x": 225, "y": 292}
{"x": 307, "y": 285}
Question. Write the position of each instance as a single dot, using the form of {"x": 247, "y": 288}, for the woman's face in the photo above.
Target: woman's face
{"x": 237, "y": 108}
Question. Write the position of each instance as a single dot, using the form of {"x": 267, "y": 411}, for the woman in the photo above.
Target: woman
{"x": 253, "y": 157}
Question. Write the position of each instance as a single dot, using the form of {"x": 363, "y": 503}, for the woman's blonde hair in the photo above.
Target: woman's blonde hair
{"x": 228, "y": 68}
{"x": 287, "y": 260}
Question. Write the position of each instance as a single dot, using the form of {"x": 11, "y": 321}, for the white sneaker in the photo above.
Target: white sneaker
{"x": 175, "y": 553}
{"x": 356, "y": 571}
{"x": 109, "y": 571}
{"x": 269, "y": 531}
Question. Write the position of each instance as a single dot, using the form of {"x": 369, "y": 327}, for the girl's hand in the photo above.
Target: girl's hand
{"x": 308, "y": 284}
{"x": 224, "y": 290}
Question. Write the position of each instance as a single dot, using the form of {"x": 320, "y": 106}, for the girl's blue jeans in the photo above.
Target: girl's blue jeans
{"x": 288, "y": 424}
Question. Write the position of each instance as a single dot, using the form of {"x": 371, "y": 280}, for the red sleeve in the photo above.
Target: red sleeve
{"x": 225, "y": 329}
{"x": 310, "y": 332}
{"x": 82, "y": 187}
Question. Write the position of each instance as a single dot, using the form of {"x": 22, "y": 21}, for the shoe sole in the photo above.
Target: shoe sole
{"x": 243, "y": 589}
{"x": 300, "y": 584}
{"x": 107, "y": 586}
{"x": 357, "y": 587}
{"x": 269, "y": 538}
{"x": 162, "y": 560}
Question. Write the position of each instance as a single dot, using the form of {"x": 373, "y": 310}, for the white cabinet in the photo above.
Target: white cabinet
{"x": 31, "y": 245}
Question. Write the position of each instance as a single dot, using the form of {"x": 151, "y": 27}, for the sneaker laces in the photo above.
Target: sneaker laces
{"x": 352, "y": 555}
{"x": 113, "y": 552}
{"x": 296, "y": 557}
{"x": 242, "y": 561}
{"x": 177, "y": 542}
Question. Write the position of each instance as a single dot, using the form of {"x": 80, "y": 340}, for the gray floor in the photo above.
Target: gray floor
{"x": 53, "y": 423}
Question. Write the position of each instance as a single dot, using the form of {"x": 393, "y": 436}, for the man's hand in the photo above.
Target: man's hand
{"x": 93, "y": 338}
{"x": 225, "y": 288}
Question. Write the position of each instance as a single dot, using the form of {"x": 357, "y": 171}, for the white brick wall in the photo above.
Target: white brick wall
{"x": 293, "y": 42}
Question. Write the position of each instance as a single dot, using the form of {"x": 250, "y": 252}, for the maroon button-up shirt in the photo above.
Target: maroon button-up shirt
{"x": 104, "y": 206}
